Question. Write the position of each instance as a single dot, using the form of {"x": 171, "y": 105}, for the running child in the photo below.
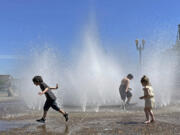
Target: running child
{"x": 149, "y": 99}
{"x": 50, "y": 98}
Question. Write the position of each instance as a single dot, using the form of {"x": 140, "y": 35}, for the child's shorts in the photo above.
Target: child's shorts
{"x": 51, "y": 103}
{"x": 129, "y": 94}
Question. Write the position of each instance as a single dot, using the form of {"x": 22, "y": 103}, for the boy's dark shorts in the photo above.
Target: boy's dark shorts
{"x": 51, "y": 103}
{"x": 129, "y": 94}
{"x": 125, "y": 94}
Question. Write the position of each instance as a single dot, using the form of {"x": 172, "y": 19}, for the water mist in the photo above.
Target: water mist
{"x": 92, "y": 76}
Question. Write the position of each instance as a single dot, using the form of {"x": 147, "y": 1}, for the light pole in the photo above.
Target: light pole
{"x": 140, "y": 47}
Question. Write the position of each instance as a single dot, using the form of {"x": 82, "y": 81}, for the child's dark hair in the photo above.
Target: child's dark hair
{"x": 145, "y": 80}
{"x": 37, "y": 79}
{"x": 130, "y": 76}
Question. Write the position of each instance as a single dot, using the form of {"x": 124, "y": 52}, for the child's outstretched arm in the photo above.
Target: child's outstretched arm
{"x": 54, "y": 88}
{"x": 141, "y": 97}
{"x": 147, "y": 96}
{"x": 41, "y": 93}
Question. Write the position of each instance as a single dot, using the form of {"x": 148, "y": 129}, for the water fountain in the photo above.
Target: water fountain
{"x": 92, "y": 77}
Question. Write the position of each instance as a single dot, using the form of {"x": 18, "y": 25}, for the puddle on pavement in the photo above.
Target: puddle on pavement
{"x": 6, "y": 125}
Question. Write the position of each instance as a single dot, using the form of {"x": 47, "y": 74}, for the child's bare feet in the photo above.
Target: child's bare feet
{"x": 147, "y": 122}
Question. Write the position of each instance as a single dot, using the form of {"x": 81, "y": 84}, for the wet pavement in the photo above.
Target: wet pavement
{"x": 109, "y": 120}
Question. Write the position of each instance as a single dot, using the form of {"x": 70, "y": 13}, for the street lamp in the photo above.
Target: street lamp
{"x": 140, "y": 47}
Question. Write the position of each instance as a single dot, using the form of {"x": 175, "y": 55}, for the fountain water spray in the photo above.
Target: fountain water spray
{"x": 92, "y": 77}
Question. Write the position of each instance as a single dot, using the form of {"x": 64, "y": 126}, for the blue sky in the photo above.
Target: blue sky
{"x": 59, "y": 22}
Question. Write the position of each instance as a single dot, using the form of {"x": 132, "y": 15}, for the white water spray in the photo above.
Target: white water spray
{"x": 91, "y": 78}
